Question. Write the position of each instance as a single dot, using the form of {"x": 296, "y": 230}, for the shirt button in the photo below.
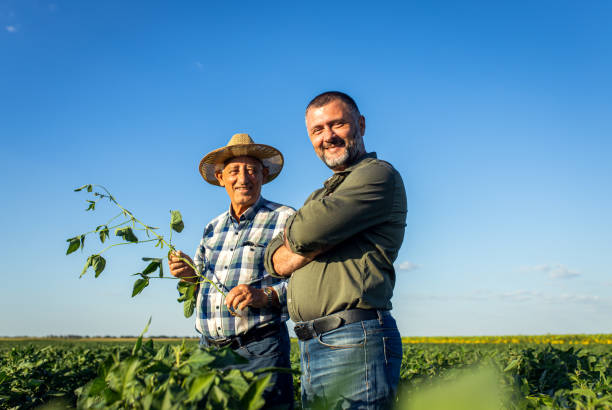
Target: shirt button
{"x": 231, "y": 249}
{"x": 217, "y": 307}
{"x": 226, "y": 267}
{"x": 236, "y": 233}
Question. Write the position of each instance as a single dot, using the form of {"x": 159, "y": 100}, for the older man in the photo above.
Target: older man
{"x": 231, "y": 255}
{"x": 339, "y": 250}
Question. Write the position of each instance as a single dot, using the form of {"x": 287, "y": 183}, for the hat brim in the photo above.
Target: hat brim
{"x": 271, "y": 158}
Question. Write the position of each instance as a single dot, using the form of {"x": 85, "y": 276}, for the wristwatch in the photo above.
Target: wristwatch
{"x": 269, "y": 295}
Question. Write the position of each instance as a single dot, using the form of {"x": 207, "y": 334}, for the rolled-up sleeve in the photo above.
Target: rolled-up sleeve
{"x": 272, "y": 246}
{"x": 362, "y": 200}
{"x": 281, "y": 291}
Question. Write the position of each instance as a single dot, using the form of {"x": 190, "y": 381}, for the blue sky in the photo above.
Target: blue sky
{"x": 496, "y": 115}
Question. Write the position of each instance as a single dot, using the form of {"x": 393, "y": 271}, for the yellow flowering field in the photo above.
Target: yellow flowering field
{"x": 598, "y": 339}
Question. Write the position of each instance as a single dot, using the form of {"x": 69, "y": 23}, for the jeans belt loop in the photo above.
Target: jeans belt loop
{"x": 380, "y": 317}
{"x": 237, "y": 341}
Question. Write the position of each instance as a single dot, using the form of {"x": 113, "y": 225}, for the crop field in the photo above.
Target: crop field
{"x": 513, "y": 372}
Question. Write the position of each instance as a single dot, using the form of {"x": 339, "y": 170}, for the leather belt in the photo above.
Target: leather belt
{"x": 255, "y": 334}
{"x": 312, "y": 328}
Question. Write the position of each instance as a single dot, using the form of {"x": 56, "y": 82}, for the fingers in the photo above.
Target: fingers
{"x": 176, "y": 266}
{"x": 233, "y": 295}
{"x": 242, "y": 301}
{"x": 177, "y": 256}
{"x": 179, "y": 268}
{"x": 240, "y": 297}
{"x": 181, "y": 272}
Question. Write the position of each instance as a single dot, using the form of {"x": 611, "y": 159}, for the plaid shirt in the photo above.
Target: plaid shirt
{"x": 231, "y": 253}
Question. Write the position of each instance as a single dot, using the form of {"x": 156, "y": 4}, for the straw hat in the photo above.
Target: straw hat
{"x": 242, "y": 145}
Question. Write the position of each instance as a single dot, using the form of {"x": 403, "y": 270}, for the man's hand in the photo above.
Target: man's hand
{"x": 244, "y": 295}
{"x": 180, "y": 268}
{"x": 286, "y": 262}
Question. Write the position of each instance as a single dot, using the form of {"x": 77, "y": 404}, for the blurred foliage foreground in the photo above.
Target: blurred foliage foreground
{"x": 452, "y": 375}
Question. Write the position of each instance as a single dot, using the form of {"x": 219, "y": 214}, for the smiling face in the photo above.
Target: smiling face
{"x": 242, "y": 178}
{"x": 336, "y": 134}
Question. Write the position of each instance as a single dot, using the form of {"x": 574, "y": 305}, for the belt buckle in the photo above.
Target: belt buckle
{"x": 219, "y": 342}
{"x": 303, "y": 332}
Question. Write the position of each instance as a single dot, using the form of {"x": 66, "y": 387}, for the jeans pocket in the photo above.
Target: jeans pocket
{"x": 393, "y": 350}
{"x": 348, "y": 336}
{"x": 268, "y": 347}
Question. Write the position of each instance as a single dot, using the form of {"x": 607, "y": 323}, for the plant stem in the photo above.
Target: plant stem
{"x": 159, "y": 237}
{"x": 123, "y": 243}
{"x": 113, "y": 218}
{"x": 109, "y": 227}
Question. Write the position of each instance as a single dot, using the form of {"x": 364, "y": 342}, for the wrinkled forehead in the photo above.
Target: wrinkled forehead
{"x": 242, "y": 160}
{"x": 333, "y": 108}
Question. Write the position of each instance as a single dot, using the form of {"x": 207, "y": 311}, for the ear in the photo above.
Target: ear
{"x": 219, "y": 176}
{"x": 362, "y": 125}
{"x": 265, "y": 172}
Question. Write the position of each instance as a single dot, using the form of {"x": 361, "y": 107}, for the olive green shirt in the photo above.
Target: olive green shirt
{"x": 359, "y": 217}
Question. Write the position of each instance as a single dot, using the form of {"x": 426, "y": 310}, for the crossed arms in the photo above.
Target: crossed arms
{"x": 361, "y": 201}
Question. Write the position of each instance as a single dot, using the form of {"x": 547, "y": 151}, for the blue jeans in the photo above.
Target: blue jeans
{"x": 272, "y": 351}
{"x": 357, "y": 365}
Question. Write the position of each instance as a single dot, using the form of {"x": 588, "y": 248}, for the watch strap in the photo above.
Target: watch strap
{"x": 269, "y": 295}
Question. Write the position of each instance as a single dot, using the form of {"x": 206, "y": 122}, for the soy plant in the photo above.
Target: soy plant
{"x": 173, "y": 377}
{"x": 123, "y": 228}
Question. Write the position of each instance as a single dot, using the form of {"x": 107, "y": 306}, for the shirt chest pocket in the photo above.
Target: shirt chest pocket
{"x": 253, "y": 259}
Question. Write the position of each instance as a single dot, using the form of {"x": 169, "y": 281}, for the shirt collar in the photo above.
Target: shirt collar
{"x": 337, "y": 177}
{"x": 369, "y": 155}
{"x": 251, "y": 212}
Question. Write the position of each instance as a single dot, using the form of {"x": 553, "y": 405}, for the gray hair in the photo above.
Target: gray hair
{"x": 329, "y": 96}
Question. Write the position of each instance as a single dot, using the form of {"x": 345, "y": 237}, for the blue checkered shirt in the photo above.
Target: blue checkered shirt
{"x": 231, "y": 253}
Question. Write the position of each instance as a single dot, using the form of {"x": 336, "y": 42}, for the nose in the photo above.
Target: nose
{"x": 242, "y": 176}
{"x": 329, "y": 134}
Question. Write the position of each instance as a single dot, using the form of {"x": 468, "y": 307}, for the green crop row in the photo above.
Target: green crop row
{"x": 173, "y": 375}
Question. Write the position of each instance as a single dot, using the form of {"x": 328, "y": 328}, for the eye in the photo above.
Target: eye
{"x": 339, "y": 124}
{"x": 316, "y": 131}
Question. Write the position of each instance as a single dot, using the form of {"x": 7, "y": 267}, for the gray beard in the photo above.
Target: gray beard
{"x": 337, "y": 161}
{"x": 351, "y": 153}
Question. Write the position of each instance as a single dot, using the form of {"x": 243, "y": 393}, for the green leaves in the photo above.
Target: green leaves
{"x": 156, "y": 263}
{"x": 75, "y": 243}
{"x": 138, "y": 344}
{"x": 189, "y": 307}
{"x": 200, "y": 386}
{"x": 253, "y": 398}
{"x": 188, "y": 297}
{"x": 125, "y": 224}
{"x": 513, "y": 365}
{"x": 176, "y": 221}
{"x": 148, "y": 376}
{"x": 87, "y": 265}
{"x": 186, "y": 289}
{"x": 88, "y": 187}
{"x": 139, "y": 285}
{"x": 103, "y": 232}
{"x": 97, "y": 262}
{"x": 126, "y": 233}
